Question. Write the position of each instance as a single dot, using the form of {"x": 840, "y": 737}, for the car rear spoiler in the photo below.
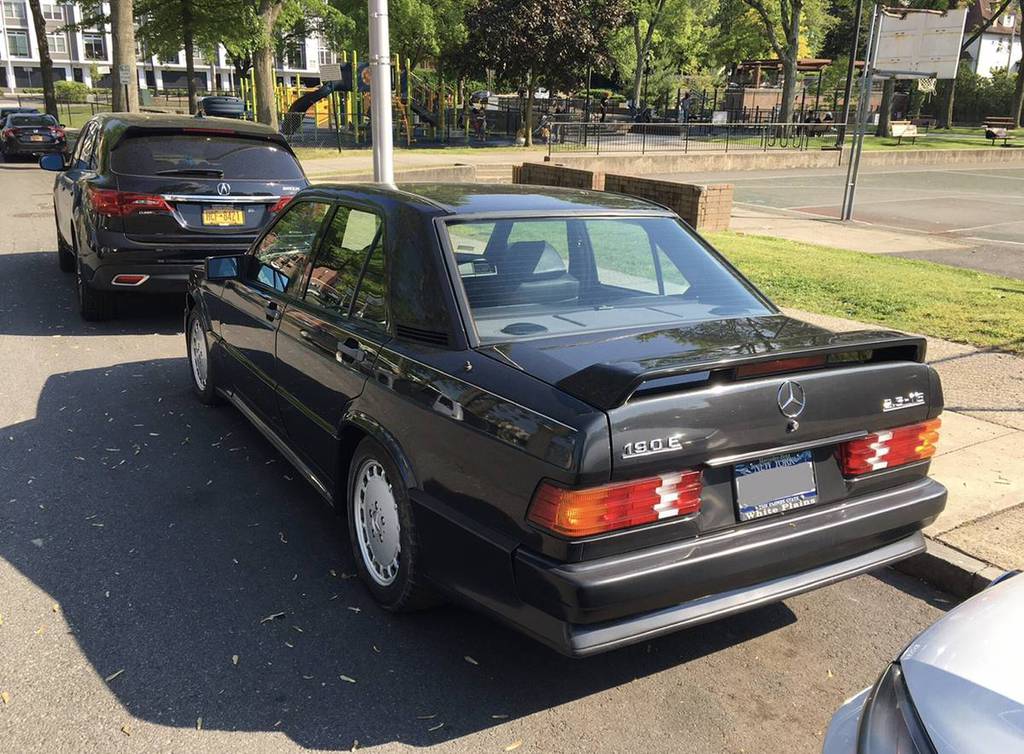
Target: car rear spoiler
{"x": 611, "y": 384}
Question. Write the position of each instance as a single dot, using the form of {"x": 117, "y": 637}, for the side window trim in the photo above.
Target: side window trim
{"x": 378, "y": 238}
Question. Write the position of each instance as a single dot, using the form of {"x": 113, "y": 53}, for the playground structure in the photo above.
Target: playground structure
{"x": 337, "y": 113}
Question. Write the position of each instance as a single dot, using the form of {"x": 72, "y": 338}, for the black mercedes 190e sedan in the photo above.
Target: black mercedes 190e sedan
{"x": 564, "y": 408}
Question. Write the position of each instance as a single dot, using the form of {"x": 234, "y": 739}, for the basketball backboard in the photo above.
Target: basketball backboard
{"x": 926, "y": 44}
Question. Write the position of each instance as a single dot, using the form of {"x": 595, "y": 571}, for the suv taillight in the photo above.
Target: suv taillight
{"x": 889, "y": 448}
{"x": 7, "y": 133}
{"x": 581, "y": 513}
{"x": 281, "y": 203}
{"x": 111, "y": 203}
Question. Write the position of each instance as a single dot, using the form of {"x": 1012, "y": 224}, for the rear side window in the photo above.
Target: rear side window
{"x": 216, "y": 156}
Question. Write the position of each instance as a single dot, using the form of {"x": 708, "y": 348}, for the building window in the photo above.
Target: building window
{"x": 295, "y": 54}
{"x": 95, "y": 47}
{"x": 14, "y": 12}
{"x": 17, "y": 43}
{"x": 58, "y": 43}
{"x": 328, "y": 57}
{"x": 52, "y": 12}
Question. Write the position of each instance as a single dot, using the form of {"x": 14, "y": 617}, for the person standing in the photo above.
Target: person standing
{"x": 684, "y": 108}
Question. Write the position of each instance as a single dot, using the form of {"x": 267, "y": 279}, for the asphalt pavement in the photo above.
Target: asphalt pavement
{"x": 168, "y": 583}
{"x": 966, "y": 215}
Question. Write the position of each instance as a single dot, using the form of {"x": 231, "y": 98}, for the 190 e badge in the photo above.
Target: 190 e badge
{"x": 652, "y": 447}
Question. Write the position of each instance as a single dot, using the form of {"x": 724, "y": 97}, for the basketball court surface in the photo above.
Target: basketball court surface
{"x": 979, "y": 207}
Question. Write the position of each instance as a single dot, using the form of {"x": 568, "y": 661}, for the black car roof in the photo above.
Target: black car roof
{"x": 165, "y": 120}
{"x": 488, "y": 198}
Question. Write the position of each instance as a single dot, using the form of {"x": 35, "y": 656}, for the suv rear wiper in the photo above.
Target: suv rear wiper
{"x": 216, "y": 172}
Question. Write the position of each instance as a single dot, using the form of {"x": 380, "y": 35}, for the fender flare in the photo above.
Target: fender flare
{"x": 372, "y": 428}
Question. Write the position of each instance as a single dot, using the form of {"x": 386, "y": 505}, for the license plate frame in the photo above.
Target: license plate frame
{"x": 775, "y": 484}
{"x": 223, "y": 216}
{"x": 36, "y": 137}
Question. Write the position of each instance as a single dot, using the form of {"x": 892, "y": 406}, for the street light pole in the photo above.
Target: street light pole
{"x": 848, "y": 91}
{"x": 380, "y": 92}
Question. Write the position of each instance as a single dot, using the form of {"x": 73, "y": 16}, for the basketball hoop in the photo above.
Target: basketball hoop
{"x": 926, "y": 86}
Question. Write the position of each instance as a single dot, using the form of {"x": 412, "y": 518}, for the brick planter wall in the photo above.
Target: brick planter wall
{"x": 703, "y": 207}
{"x": 544, "y": 174}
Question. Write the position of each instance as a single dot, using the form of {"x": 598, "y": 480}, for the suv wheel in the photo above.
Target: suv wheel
{"x": 94, "y": 305}
{"x": 65, "y": 255}
{"x": 200, "y": 364}
{"x": 383, "y": 532}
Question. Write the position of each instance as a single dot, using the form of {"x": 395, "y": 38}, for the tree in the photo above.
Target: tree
{"x": 528, "y": 43}
{"x": 45, "y": 62}
{"x": 783, "y": 34}
{"x": 124, "y": 95}
{"x": 1018, "y": 87}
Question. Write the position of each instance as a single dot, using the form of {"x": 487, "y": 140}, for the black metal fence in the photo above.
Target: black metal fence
{"x": 692, "y": 137}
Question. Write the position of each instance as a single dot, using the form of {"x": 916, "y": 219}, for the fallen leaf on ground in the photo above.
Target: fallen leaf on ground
{"x": 830, "y": 674}
{"x": 39, "y": 631}
{"x": 499, "y": 717}
{"x": 5, "y": 697}
{"x": 283, "y": 537}
{"x": 435, "y": 727}
{"x": 55, "y": 607}
{"x": 347, "y": 679}
{"x": 298, "y": 629}
{"x": 355, "y": 609}
{"x": 273, "y": 616}
{"x": 425, "y": 717}
{"x": 234, "y": 659}
{"x": 126, "y": 730}
{"x": 470, "y": 660}
{"x": 112, "y": 676}
{"x": 199, "y": 723}
{"x": 289, "y": 645}
{"x": 514, "y": 745}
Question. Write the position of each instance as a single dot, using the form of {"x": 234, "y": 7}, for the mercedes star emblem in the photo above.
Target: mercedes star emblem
{"x": 791, "y": 399}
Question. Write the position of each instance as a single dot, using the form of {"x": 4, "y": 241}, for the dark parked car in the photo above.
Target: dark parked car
{"x": 564, "y": 408}
{"x": 25, "y": 134}
{"x": 144, "y": 198}
{"x": 5, "y": 111}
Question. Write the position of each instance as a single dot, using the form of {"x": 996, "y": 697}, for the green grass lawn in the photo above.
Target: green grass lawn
{"x": 935, "y": 140}
{"x": 319, "y": 153}
{"x": 934, "y": 299}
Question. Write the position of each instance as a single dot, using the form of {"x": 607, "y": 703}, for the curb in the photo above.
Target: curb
{"x": 950, "y": 570}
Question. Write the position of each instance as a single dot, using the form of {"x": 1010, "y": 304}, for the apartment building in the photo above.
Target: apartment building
{"x": 86, "y": 55}
{"x": 999, "y": 46}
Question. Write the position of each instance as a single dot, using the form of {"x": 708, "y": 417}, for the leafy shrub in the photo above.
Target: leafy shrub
{"x": 70, "y": 91}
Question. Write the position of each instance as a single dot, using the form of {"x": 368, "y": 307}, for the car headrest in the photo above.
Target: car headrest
{"x": 531, "y": 259}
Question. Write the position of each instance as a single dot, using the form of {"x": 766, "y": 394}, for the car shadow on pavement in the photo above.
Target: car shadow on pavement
{"x": 184, "y": 551}
{"x": 52, "y": 307}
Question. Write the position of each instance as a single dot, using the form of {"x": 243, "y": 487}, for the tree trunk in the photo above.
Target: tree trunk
{"x": 528, "y": 116}
{"x": 45, "y": 62}
{"x": 789, "y": 61}
{"x": 885, "y": 108}
{"x": 946, "y": 116}
{"x": 122, "y": 26}
{"x": 263, "y": 63}
{"x": 642, "y": 46}
{"x": 188, "y": 36}
{"x": 1018, "y": 88}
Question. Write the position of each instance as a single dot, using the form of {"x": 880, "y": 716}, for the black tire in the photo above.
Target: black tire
{"x": 93, "y": 305}
{"x": 197, "y": 334}
{"x": 65, "y": 254}
{"x": 408, "y": 591}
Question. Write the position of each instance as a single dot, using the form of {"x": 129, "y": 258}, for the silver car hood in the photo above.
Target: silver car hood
{"x": 966, "y": 673}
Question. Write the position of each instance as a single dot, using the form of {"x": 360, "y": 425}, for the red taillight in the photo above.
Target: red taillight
{"x": 889, "y": 448}
{"x": 7, "y": 133}
{"x": 58, "y": 132}
{"x": 111, "y": 203}
{"x": 281, "y": 203}
{"x": 580, "y": 513}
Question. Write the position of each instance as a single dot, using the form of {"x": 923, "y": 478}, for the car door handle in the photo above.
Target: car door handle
{"x": 350, "y": 352}
{"x": 272, "y": 311}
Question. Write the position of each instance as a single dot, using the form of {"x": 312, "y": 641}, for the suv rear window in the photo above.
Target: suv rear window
{"x": 215, "y": 156}
{"x": 568, "y": 275}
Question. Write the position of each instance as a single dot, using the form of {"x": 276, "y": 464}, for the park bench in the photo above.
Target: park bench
{"x": 901, "y": 128}
{"x": 999, "y": 127}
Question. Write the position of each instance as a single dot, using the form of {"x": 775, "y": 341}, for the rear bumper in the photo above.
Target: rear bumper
{"x": 164, "y": 277}
{"x": 19, "y": 148}
{"x": 607, "y": 603}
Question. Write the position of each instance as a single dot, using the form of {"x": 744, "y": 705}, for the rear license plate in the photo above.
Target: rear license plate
{"x": 35, "y": 138}
{"x": 223, "y": 216}
{"x": 773, "y": 485}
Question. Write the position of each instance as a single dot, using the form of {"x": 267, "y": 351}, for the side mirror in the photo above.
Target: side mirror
{"x": 224, "y": 268}
{"x": 52, "y": 161}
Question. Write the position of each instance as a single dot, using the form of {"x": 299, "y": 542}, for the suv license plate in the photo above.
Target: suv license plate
{"x": 776, "y": 484}
{"x": 223, "y": 216}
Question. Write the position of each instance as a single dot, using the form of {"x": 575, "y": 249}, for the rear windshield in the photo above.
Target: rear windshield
{"x": 31, "y": 120}
{"x": 203, "y": 155}
{"x": 533, "y": 278}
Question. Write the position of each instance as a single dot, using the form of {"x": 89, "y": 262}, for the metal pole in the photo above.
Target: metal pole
{"x": 863, "y": 108}
{"x": 380, "y": 92}
{"x": 848, "y": 91}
